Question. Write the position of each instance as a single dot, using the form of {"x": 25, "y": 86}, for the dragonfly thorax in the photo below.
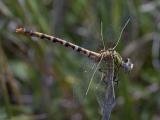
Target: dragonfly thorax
{"x": 109, "y": 54}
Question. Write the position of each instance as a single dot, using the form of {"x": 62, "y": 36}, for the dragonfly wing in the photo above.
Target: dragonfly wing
{"x": 105, "y": 91}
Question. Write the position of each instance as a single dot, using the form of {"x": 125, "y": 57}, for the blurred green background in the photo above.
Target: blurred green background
{"x": 40, "y": 80}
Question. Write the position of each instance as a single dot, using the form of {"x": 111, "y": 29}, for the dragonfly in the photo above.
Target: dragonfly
{"x": 111, "y": 60}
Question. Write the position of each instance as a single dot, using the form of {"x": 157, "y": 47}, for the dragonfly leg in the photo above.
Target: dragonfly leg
{"x": 106, "y": 82}
{"x": 116, "y": 81}
{"x": 102, "y": 70}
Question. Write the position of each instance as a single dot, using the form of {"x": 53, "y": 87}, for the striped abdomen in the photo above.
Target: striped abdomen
{"x": 81, "y": 50}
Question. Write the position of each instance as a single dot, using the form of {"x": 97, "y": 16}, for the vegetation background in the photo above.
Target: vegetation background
{"x": 40, "y": 80}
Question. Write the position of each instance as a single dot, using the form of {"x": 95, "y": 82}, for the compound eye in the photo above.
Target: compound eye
{"x": 126, "y": 60}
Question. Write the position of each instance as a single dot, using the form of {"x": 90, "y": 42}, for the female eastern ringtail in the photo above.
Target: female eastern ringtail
{"x": 106, "y": 95}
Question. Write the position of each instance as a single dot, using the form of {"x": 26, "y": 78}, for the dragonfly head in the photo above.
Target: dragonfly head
{"x": 127, "y": 65}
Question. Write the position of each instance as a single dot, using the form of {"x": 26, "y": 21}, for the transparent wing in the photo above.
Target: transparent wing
{"x": 85, "y": 73}
{"x": 105, "y": 90}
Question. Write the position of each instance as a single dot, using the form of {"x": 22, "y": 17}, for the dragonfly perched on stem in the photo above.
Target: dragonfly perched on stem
{"x": 111, "y": 60}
